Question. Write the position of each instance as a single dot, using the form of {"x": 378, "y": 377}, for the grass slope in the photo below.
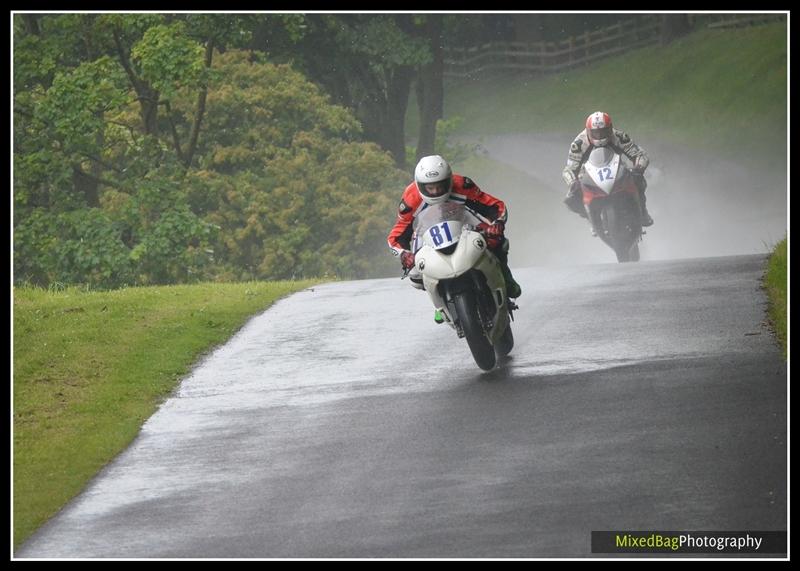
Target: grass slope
{"x": 712, "y": 89}
{"x": 776, "y": 280}
{"x": 91, "y": 367}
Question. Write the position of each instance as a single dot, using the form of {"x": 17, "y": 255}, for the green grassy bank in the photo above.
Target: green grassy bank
{"x": 776, "y": 282}
{"x": 91, "y": 367}
{"x": 712, "y": 89}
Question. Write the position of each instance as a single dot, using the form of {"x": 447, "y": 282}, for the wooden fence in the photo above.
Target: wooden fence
{"x": 548, "y": 57}
{"x": 743, "y": 20}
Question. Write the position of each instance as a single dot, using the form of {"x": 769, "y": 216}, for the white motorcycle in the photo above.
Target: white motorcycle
{"x": 464, "y": 280}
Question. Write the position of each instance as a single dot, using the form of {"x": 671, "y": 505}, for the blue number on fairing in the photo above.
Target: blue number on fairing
{"x": 607, "y": 172}
{"x": 447, "y": 231}
{"x": 438, "y": 240}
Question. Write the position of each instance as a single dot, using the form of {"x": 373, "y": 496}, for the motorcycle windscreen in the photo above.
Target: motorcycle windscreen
{"x": 603, "y": 168}
{"x": 439, "y": 225}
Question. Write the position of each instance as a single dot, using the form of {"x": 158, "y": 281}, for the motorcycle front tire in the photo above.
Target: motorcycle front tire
{"x": 480, "y": 346}
{"x": 505, "y": 343}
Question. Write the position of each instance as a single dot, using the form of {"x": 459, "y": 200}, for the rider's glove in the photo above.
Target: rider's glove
{"x": 495, "y": 230}
{"x": 407, "y": 259}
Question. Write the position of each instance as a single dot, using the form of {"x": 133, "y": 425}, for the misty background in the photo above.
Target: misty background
{"x": 707, "y": 104}
{"x": 701, "y": 206}
{"x": 179, "y": 148}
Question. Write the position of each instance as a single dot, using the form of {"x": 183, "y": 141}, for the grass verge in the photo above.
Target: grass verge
{"x": 776, "y": 282}
{"x": 91, "y": 367}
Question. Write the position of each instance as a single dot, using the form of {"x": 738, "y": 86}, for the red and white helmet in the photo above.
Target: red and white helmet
{"x": 598, "y": 128}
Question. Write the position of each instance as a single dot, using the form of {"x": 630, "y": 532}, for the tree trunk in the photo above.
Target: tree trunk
{"x": 201, "y": 109}
{"x": 147, "y": 96}
{"x": 86, "y": 185}
{"x": 396, "y": 107}
{"x": 430, "y": 88}
{"x": 148, "y": 100}
{"x": 31, "y": 22}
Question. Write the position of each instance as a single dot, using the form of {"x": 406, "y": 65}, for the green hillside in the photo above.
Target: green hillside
{"x": 713, "y": 87}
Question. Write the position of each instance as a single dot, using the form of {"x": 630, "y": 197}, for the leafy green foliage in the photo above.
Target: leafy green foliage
{"x": 366, "y": 62}
{"x": 257, "y": 109}
{"x": 171, "y": 240}
{"x": 382, "y": 41}
{"x": 277, "y": 185}
{"x": 74, "y": 105}
{"x": 78, "y": 246}
{"x": 304, "y": 199}
{"x": 169, "y": 60}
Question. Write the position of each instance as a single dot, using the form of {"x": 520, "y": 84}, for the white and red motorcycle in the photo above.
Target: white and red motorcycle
{"x": 464, "y": 280}
{"x": 611, "y": 200}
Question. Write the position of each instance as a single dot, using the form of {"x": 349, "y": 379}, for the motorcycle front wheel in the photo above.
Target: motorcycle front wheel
{"x": 480, "y": 346}
{"x": 634, "y": 257}
{"x": 505, "y": 343}
{"x": 622, "y": 239}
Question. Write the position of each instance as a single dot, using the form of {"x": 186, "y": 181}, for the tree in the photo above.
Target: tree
{"x": 366, "y": 62}
{"x": 430, "y": 85}
{"x": 79, "y": 149}
{"x": 150, "y": 149}
{"x": 285, "y": 178}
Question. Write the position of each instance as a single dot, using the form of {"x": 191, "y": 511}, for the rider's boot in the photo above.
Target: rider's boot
{"x": 512, "y": 287}
{"x": 641, "y": 185}
{"x": 438, "y": 317}
{"x": 647, "y": 220}
{"x": 574, "y": 200}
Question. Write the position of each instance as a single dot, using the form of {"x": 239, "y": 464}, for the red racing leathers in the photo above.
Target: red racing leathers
{"x": 485, "y": 206}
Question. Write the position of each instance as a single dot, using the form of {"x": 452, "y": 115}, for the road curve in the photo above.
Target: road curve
{"x": 343, "y": 422}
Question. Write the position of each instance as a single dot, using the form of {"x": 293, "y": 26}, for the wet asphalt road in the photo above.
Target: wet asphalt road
{"x": 343, "y": 422}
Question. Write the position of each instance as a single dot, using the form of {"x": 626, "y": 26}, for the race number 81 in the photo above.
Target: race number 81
{"x": 436, "y": 234}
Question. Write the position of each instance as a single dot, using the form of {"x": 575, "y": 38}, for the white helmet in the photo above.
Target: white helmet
{"x": 430, "y": 171}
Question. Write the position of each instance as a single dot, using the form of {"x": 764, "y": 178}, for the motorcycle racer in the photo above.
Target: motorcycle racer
{"x": 600, "y": 132}
{"x": 435, "y": 183}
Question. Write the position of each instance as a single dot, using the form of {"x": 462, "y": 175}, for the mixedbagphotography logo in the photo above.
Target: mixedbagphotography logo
{"x": 666, "y": 542}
